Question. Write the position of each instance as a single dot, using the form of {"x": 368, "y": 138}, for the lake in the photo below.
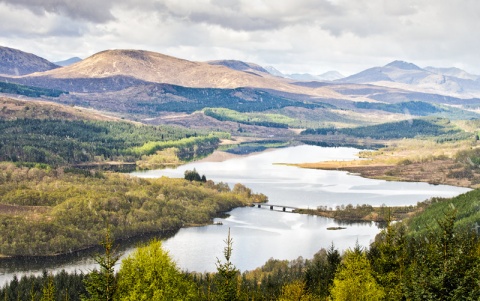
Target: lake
{"x": 261, "y": 234}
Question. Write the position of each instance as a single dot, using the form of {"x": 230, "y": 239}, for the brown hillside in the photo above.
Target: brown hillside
{"x": 15, "y": 108}
{"x": 159, "y": 68}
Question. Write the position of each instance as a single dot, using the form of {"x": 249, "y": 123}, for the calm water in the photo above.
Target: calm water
{"x": 260, "y": 234}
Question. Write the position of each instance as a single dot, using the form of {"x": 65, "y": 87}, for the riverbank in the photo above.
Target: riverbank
{"x": 363, "y": 213}
{"x": 445, "y": 172}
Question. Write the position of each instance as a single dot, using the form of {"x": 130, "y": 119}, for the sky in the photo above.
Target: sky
{"x": 294, "y": 36}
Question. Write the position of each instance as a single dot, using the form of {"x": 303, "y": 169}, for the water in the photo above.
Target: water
{"x": 260, "y": 234}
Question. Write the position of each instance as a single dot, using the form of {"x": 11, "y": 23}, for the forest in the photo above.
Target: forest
{"x": 48, "y": 211}
{"x": 442, "y": 262}
{"x": 50, "y": 206}
{"x": 238, "y": 99}
{"x": 58, "y": 142}
{"x": 428, "y": 127}
{"x": 11, "y": 88}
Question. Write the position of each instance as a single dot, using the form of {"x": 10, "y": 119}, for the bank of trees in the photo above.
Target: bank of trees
{"x": 439, "y": 128}
{"x": 49, "y": 211}
{"x": 440, "y": 263}
{"x": 60, "y": 142}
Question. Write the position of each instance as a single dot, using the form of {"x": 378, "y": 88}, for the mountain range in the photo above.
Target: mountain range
{"x": 399, "y": 74}
{"x": 148, "y": 84}
{"x": 15, "y": 62}
{"x": 327, "y": 76}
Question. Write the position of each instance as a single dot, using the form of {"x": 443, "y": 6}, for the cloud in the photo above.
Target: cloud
{"x": 245, "y": 15}
{"x": 91, "y": 10}
{"x": 295, "y": 36}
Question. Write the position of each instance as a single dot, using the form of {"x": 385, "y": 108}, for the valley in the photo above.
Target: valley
{"x": 69, "y": 134}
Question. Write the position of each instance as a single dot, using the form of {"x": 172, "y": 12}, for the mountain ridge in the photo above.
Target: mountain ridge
{"x": 15, "y": 62}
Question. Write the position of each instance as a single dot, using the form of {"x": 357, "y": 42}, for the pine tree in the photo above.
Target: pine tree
{"x": 354, "y": 280}
{"x": 102, "y": 285}
{"x": 227, "y": 275}
{"x": 48, "y": 290}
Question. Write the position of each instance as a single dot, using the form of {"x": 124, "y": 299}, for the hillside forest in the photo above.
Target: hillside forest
{"x": 61, "y": 190}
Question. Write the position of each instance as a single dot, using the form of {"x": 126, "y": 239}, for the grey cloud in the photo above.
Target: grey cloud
{"x": 97, "y": 11}
{"x": 250, "y": 16}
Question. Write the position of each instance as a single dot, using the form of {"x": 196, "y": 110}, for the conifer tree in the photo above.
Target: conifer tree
{"x": 354, "y": 280}
{"x": 227, "y": 274}
{"x": 48, "y": 290}
{"x": 102, "y": 285}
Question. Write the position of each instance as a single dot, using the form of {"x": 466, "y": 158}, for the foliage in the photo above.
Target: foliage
{"x": 188, "y": 147}
{"x": 59, "y": 142}
{"x": 66, "y": 286}
{"x": 193, "y": 175}
{"x": 428, "y": 127}
{"x": 467, "y": 206}
{"x": 51, "y": 212}
{"x": 29, "y": 91}
{"x": 48, "y": 290}
{"x": 354, "y": 279}
{"x": 194, "y": 99}
{"x": 295, "y": 291}
{"x": 227, "y": 273}
{"x": 102, "y": 285}
{"x": 417, "y": 108}
{"x": 150, "y": 274}
{"x": 262, "y": 119}
{"x": 320, "y": 272}
{"x": 445, "y": 263}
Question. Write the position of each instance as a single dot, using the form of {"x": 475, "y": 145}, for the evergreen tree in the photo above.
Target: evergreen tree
{"x": 227, "y": 274}
{"x": 102, "y": 285}
{"x": 354, "y": 280}
{"x": 48, "y": 290}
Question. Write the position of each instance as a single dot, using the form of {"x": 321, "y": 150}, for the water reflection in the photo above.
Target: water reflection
{"x": 261, "y": 234}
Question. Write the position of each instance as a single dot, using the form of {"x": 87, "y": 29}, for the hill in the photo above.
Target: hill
{"x": 16, "y": 62}
{"x": 408, "y": 76}
{"x": 68, "y": 62}
{"x": 239, "y": 65}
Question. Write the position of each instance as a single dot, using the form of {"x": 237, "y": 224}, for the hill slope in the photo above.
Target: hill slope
{"x": 407, "y": 76}
{"x": 15, "y": 62}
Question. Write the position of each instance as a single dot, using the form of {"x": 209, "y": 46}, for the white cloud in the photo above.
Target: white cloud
{"x": 295, "y": 36}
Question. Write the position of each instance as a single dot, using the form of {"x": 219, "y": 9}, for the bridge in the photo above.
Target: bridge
{"x": 274, "y": 207}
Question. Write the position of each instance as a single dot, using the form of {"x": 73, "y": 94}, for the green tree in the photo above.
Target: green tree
{"x": 388, "y": 258}
{"x": 354, "y": 280}
{"x": 320, "y": 272}
{"x": 48, "y": 290}
{"x": 150, "y": 274}
{"x": 295, "y": 291}
{"x": 226, "y": 278}
{"x": 102, "y": 285}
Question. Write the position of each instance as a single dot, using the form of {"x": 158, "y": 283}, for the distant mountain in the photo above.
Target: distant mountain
{"x": 16, "y": 62}
{"x": 239, "y": 65}
{"x": 116, "y": 70}
{"x": 68, "y": 62}
{"x": 274, "y": 71}
{"x": 330, "y": 75}
{"x": 455, "y": 72}
{"x": 408, "y": 76}
{"x": 327, "y": 76}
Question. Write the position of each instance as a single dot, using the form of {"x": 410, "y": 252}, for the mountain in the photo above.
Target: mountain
{"x": 454, "y": 72}
{"x": 408, "y": 76}
{"x": 68, "y": 62}
{"x": 116, "y": 70}
{"x": 330, "y": 75}
{"x": 15, "y": 62}
{"x": 239, "y": 65}
{"x": 274, "y": 71}
{"x": 327, "y": 76}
